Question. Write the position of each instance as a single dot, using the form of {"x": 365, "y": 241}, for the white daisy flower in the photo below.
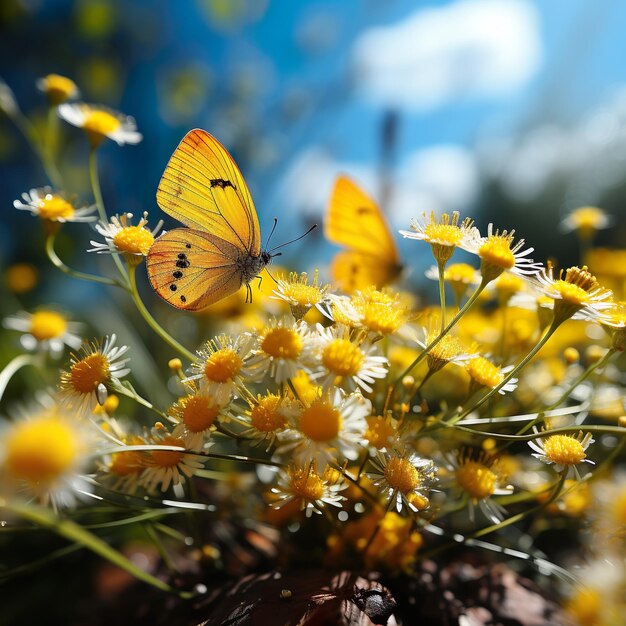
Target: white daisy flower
{"x": 565, "y": 452}
{"x": 45, "y": 330}
{"x": 223, "y": 365}
{"x": 328, "y": 429}
{"x": 58, "y": 88}
{"x": 284, "y": 348}
{"x": 100, "y": 122}
{"x": 403, "y": 478}
{"x": 53, "y": 206}
{"x": 299, "y": 294}
{"x": 312, "y": 490}
{"x": 122, "y": 237}
{"x": 91, "y": 374}
{"x": 343, "y": 359}
{"x": 167, "y": 467}
{"x": 586, "y": 220}
{"x": 484, "y": 374}
{"x": 45, "y": 454}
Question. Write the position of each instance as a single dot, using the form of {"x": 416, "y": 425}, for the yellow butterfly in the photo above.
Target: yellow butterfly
{"x": 355, "y": 221}
{"x": 202, "y": 187}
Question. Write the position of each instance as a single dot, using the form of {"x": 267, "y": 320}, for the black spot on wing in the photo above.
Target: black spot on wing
{"x": 221, "y": 183}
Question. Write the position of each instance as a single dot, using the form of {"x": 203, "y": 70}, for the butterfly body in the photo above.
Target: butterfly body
{"x": 356, "y": 222}
{"x": 220, "y": 248}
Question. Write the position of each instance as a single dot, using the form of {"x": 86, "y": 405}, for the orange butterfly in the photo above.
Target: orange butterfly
{"x": 220, "y": 250}
{"x": 355, "y": 221}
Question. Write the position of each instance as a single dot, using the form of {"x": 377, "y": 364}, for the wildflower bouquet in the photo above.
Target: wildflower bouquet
{"x": 355, "y": 429}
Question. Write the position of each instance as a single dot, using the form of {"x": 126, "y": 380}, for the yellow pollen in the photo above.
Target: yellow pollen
{"x": 59, "y": 88}
{"x": 443, "y": 234}
{"x": 484, "y": 372}
{"x": 448, "y": 348}
{"x": 133, "y": 240}
{"x": 379, "y": 431}
{"x": 282, "y": 343}
{"x": 297, "y": 289}
{"x": 419, "y": 501}
{"x": 198, "y": 413}
{"x": 88, "y": 373}
{"x": 131, "y": 462}
{"x": 100, "y": 123}
{"x": 265, "y": 416}
{"x": 320, "y": 421}
{"x": 167, "y": 458}
{"x": 401, "y": 475}
{"x": 497, "y": 251}
{"x": 572, "y": 294}
{"x": 47, "y": 325}
{"x": 342, "y": 358}
{"x": 306, "y": 484}
{"x": 54, "y": 208}
{"x": 476, "y": 479}
{"x": 564, "y": 450}
{"x": 381, "y": 318}
{"x": 41, "y": 449}
{"x": 222, "y": 366}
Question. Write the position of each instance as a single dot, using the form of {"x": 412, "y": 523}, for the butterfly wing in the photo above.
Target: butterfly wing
{"x": 355, "y": 221}
{"x": 192, "y": 269}
{"x": 203, "y": 188}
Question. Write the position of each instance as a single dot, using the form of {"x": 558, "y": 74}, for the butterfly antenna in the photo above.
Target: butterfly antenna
{"x": 267, "y": 243}
{"x": 270, "y": 273}
{"x": 282, "y": 245}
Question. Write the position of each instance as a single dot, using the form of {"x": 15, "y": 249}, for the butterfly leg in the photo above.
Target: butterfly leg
{"x": 248, "y": 293}
{"x": 260, "y": 281}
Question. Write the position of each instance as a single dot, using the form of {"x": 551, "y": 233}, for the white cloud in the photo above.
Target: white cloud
{"x": 471, "y": 48}
{"x": 437, "y": 178}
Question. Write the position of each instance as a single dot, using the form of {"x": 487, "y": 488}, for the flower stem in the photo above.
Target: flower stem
{"x": 77, "y": 534}
{"x": 14, "y": 366}
{"x": 444, "y": 332}
{"x": 442, "y": 295}
{"x": 132, "y": 275}
{"x": 56, "y": 261}
{"x": 97, "y": 195}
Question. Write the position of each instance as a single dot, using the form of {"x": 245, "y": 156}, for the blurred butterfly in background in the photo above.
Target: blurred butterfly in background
{"x": 356, "y": 222}
{"x": 202, "y": 187}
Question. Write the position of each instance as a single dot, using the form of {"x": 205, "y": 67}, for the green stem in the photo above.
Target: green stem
{"x": 97, "y": 195}
{"x": 613, "y": 430}
{"x": 442, "y": 294}
{"x": 78, "y": 535}
{"x": 13, "y": 366}
{"x": 551, "y": 330}
{"x": 141, "y": 307}
{"x": 445, "y": 331}
{"x": 23, "y": 124}
{"x": 56, "y": 261}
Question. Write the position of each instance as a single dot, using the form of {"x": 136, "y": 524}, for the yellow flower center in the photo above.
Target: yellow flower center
{"x": 448, "y": 348}
{"x": 59, "y": 88}
{"x": 21, "y": 277}
{"x": 306, "y": 484}
{"x": 265, "y": 416}
{"x": 459, "y": 273}
{"x": 443, "y": 234}
{"x": 497, "y": 251}
{"x": 564, "y": 450}
{"x": 572, "y": 294}
{"x": 88, "y": 373}
{"x": 401, "y": 475}
{"x": 342, "y": 358}
{"x": 198, "y": 413}
{"x": 47, "y": 325}
{"x": 100, "y": 123}
{"x": 168, "y": 458}
{"x": 320, "y": 421}
{"x": 41, "y": 449}
{"x": 476, "y": 479}
{"x": 222, "y": 366}
{"x": 53, "y": 207}
{"x": 509, "y": 284}
{"x": 588, "y": 218}
{"x": 131, "y": 462}
{"x": 379, "y": 431}
{"x": 484, "y": 372}
{"x": 133, "y": 240}
{"x": 282, "y": 343}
